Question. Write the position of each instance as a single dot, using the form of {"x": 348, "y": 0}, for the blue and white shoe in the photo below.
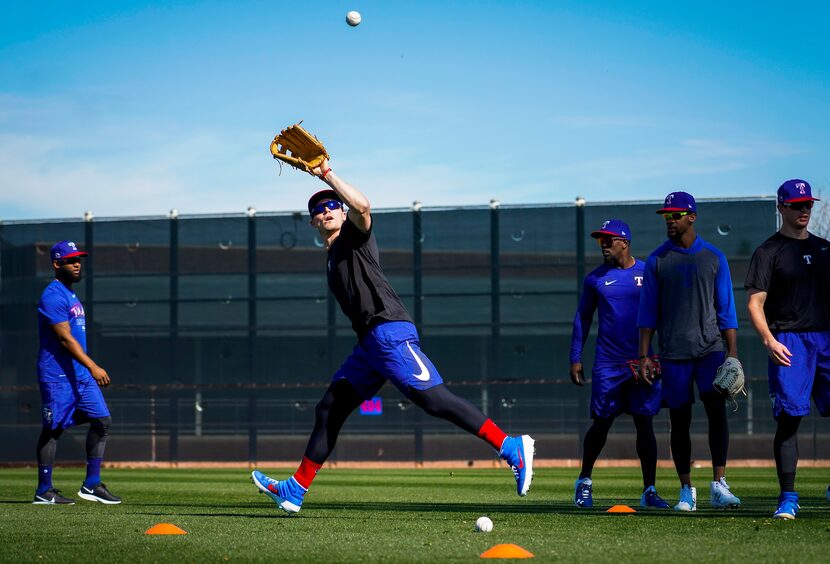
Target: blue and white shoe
{"x": 583, "y": 493}
{"x": 287, "y": 494}
{"x": 722, "y": 496}
{"x": 651, "y": 499}
{"x": 518, "y": 453}
{"x": 787, "y": 506}
{"x": 688, "y": 499}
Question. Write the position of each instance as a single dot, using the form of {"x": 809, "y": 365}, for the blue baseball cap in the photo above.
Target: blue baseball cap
{"x": 795, "y": 190}
{"x": 65, "y": 250}
{"x": 679, "y": 202}
{"x": 613, "y": 228}
{"x": 322, "y": 195}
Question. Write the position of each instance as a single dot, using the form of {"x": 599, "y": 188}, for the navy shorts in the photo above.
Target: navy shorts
{"x": 66, "y": 404}
{"x": 790, "y": 387}
{"x": 679, "y": 377}
{"x": 390, "y": 351}
{"x": 614, "y": 391}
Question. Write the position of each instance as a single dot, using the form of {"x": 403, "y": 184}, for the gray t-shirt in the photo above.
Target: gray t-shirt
{"x": 687, "y": 297}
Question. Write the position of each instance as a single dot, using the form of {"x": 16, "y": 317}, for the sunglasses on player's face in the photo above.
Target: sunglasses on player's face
{"x": 799, "y": 206}
{"x": 327, "y": 205}
{"x": 608, "y": 240}
{"x": 71, "y": 260}
{"x": 674, "y": 215}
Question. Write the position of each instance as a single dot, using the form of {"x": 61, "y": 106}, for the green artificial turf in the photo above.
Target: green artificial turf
{"x": 407, "y": 515}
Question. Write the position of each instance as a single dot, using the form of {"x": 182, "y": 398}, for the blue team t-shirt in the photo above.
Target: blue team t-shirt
{"x": 615, "y": 294}
{"x": 55, "y": 364}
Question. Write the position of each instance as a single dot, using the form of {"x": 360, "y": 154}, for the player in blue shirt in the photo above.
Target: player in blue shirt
{"x": 687, "y": 298}
{"x": 613, "y": 289}
{"x": 69, "y": 381}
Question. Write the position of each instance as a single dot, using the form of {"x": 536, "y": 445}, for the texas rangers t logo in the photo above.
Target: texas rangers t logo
{"x": 638, "y": 280}
{"x": 808, "y": 259}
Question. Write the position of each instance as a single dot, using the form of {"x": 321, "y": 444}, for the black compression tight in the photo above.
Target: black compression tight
{"x": 785, "y": 447}
{"x": 330, "y": 414}
{"x": 646, "y": 448}
{"x": 47, "y": 445}
{"x": 681, "y": 442}
{"x": 96, "y": 438}
{"x": 439, "y": 402}
{"x": 597, "y": 435}
{"x": 715, "y": 406}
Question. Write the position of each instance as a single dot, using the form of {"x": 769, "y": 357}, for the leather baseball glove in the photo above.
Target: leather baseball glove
{"x": 730, "y": 379}
{"x": 299, "y": 148}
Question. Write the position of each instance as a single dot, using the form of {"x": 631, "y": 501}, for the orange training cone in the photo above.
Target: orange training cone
{"x": 506, "y": 551}
{"x": 165, "y": 529}
{"x": 621, "y": 509}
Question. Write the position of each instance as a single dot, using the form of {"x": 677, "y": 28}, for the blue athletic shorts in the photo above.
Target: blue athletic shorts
{"x": 66, "y": 404}
{"x": 614, "y": 391}
{"x": 679, "y": 377}
{"x": 390, "y": 351}
{"x": 790, "y": 387}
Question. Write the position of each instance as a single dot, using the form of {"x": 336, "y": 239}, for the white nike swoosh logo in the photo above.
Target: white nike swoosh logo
{"x": 424, "y": 375}
{"x": 609, "y": 282}
{"x": 825, "y": 248}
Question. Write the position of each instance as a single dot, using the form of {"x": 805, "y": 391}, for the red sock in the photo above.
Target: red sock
{"x": 491, "y": 433}
{"x": 306, "y": 472}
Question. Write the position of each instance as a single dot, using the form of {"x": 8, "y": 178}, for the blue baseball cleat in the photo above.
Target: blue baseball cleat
{"x": 583, "y": 493}
{"x": 787, "y": 506}
{"x": 518, "y": 453}
{"x": 651, "y": 499}
{"x": 287, "y": 494}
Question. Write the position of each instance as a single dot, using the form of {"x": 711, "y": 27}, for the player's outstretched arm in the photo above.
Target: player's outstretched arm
{"x": 65, "y": 338}
{"x": 779, "y": 354}
{"x": 359, "y": 207}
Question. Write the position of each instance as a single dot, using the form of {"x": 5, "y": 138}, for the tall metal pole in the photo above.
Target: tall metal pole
{"x": 89, "y": 286}
{"x": 252, "y": 335}
{"x": 417, "y": 265}
{"x": 580, "y": 245}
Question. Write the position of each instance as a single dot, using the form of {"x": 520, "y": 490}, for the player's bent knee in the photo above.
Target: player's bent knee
{"x": 102, "y": 424}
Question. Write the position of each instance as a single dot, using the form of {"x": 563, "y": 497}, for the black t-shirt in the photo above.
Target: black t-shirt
{"x": 357, "y": 281}
{"x": 795, "y": 273}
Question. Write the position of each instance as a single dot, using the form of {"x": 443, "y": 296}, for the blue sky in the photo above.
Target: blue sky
{"x": 134, "y": 108}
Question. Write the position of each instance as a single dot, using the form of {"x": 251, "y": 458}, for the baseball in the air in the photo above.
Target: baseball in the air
{"x": 484, "y": 525}
{"x": 353, "y": 18}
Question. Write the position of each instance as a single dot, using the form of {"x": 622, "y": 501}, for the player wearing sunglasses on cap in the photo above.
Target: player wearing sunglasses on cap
{"x": 388, "y": 348}
{"x": 788, "y": 283}
{"x": 687, "y": 299}
{"x": 613, "y": 289}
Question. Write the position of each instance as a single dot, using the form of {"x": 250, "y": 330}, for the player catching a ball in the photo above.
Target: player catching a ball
{"x": 388, "y": 345}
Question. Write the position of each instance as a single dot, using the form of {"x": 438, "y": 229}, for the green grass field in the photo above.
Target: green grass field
{"x": 406, "y": 515}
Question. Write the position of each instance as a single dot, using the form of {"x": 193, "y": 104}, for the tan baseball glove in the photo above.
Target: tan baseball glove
{"x": 730, "y": 379}
{"x": 299, "y": 148}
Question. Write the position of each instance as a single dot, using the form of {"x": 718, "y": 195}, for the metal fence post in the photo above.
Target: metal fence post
{"x": 89, "y": 286}
{"x": 417, "y": 265}
{"x": 252, "y": 335}
{"x": 495, "y": 303}
{"x": 580, "y": 245}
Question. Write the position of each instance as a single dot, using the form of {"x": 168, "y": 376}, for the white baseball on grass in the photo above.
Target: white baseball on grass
{"x": 484, "y": 525}
{"x": 353, "y": 18}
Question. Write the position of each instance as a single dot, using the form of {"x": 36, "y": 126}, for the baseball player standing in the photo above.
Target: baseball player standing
{"x": 614, "y": 290}
{"x": 788, "y": 283}
{"x": 687, "y": 298}
{"x": 70, "y": 382}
